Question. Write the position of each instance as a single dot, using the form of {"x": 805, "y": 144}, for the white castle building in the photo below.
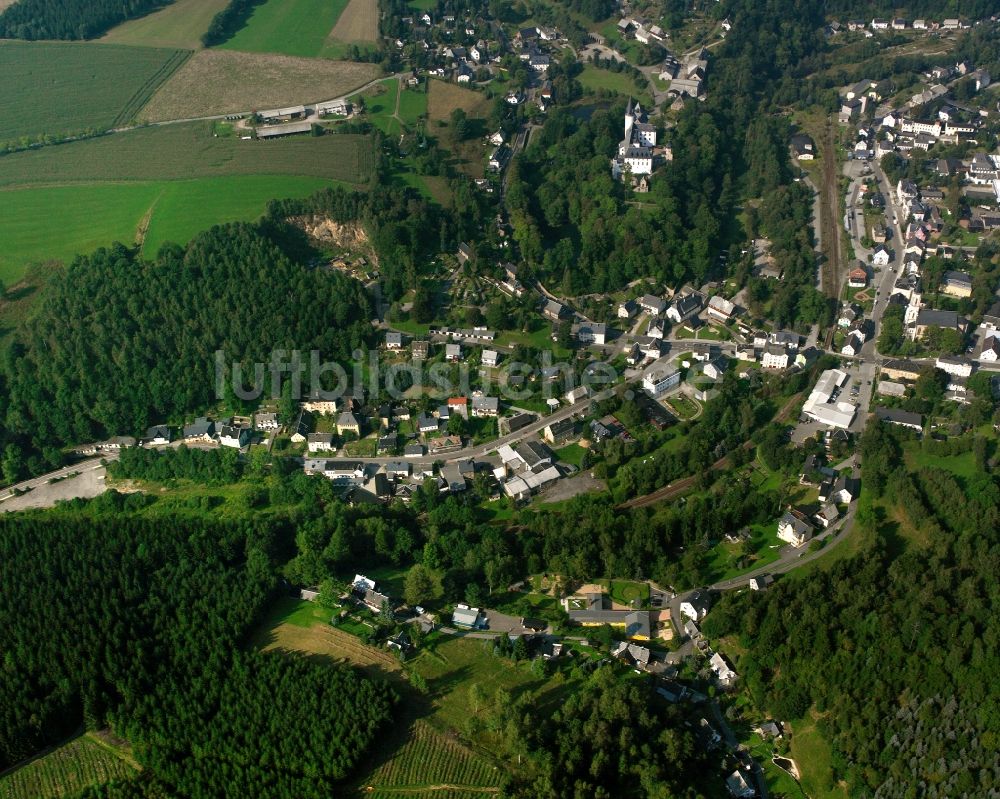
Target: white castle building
{"x": 635, "y": 151}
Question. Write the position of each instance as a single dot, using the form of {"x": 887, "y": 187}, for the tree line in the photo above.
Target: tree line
{"x": 70, "y": 19}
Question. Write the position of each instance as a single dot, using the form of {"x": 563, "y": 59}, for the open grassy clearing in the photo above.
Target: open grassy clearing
{"x": 358, "y": 24}
{"x": 65, "y": 770}
{"x": 812, "y": 753}
{"x": 60, "y": 88}
{"x": 189, "y": 151}
{"x": 180, "y": 24}
{"x": 215, "y": 82}
{"x": 380, "y": 105}
{"x": 443, "y": 98}
{"x": 93, "y": 215}
{"x": 595, "y": 79}
{"x": 291, "y": 27}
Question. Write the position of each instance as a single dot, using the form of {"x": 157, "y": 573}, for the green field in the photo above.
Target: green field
{"x": 291, "y": 27}
{"x": 93, "y": 215}
{"x": 180, "y": 24}
{"x": 66, "y": 770}
{"x": 412, "y": 105}
{"x": 573, "y": 453}
{"x": 188, "y": 151}
{"x": 64, "y": 88}
{"x": 595, "y": 78}
{"x": 380, "y": 108}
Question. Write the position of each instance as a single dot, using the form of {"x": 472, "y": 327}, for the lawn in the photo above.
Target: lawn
{"x": 962, "y": 466}
{"x": 725, "y": 558}
{"x": 779, "y": 781}
{"x": 380, "y": 105}
{"x": 61, "y": 88}
{"x": 96, "y": 214}
{"x": 82, "y": 762}
{"x": 214, "y": 82}
{"x": 573, "y": 454}
{"x": 289, "y": 27}
{"x": 811, "y": 752}
{"x": 412, "y": 105}
{"x": 595, "y": 78}
{"x": 189, "y": 151}
{"x": 624, "y": 592}
{"x": 180, "y": 24}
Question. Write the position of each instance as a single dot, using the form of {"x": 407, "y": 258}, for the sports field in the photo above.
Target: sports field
{"x": 69, "y": 768}
{"x": 188, "y": 151}
{"x": 60, "y": 88}
{"x": 91, "y": 215}
{"x": 214, "y": 82}
{"x": 180, "y": 24}
{"x": 290, "y": 27}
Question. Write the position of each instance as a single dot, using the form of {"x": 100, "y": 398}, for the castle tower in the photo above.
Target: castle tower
{"x": 629, "y": 122}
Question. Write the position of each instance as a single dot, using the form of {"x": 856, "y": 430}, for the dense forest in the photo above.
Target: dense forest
{"x": 895, "y": 648}
{"x": 141, "y": 625}
{"x": 70, "y": 19}
{"x": 121, "y": 342}
{"x": 613, "y": 739}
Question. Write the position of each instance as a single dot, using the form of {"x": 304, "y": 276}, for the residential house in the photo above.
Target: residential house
{"x": 929, "y": 317}
{"x": 803, "y": 148}
{"x": 881, "y": 256}
{"x": 827, "y": 515}
{"x": 628, "y": 309}
{"x": 394, "y": 341}
{"x": 490, "y": 358}
{"x": 591, "y": 333}
{"x": 857, "y": 278}
{"x": 761, "y": 582}
{"x": 231, "y": 436}
{"x": 453, "y": 352}
{"x": 898, "y": 369}
{"x": 739, "y": 786}
{"x": 265, "y": 421}
{"x": 559, "y": 432}
{"x": 576, "y": 395}
{"x": 554, "y": 311}
{"x": 484, "y": 407}
{"x": 454, "y": 479}
{"x": 157, "y": 434}
{"x": 439, "y": 446}
{"x": 319, "y": 442}
{"x": 684, "y": 308}
{"x": 347, "y": 422}
{"x": 201, "y": 429}
{"x": 697, "y": 605}
{"x": 660, "y": 381}
{"x": 794, "y": 528}
{"x": 774, "y": 356}
{"x": 420, "y": 350}
{"x": 427, "y": 424}
{"x": 723, "y": 671}
{"x": 914, "y": 421}
{"x": 957, "y": 284}
{"x": 956, "y": 365}
{"x": 651, "y": 304}
{"x": 721, "y": 309}
{"x": 991, "y": 349}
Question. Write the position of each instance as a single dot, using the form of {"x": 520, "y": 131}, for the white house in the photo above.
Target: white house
{"x": 319, "y": 442}
{"x": 659, "y": 381}
{"x": 793, "y": 528}
{"x": 881, "y": 256}
{"x": 697, "y": 605}
{"x": 991, "y": 349}
{"x": 490, "y": 358}
{"x": 684, "y": 308}
{"x": 576, "y": 395}
{"x": 774, "y": 356}
{"x": 234, "y": 436}
{"x": 954, "y": 365}
{"x": 721, "y": 309}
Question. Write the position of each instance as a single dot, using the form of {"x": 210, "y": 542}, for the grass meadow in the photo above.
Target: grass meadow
{"x": 65, "y": 770}
{"x": 357, "y": 25}
{"x": 60, "y": 88}
{"x": 180, "y": 24}
{"x": 290, "y": 27}
{"x": 189, "y": 151}
{"x": 92, "y": 215}
{"x": 215, "y": 82}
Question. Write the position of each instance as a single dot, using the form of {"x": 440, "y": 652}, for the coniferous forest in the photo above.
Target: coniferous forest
{"x": 141, "y": 626}
{"x": 70, "y": 19}
{"x": 121, "y": 343}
